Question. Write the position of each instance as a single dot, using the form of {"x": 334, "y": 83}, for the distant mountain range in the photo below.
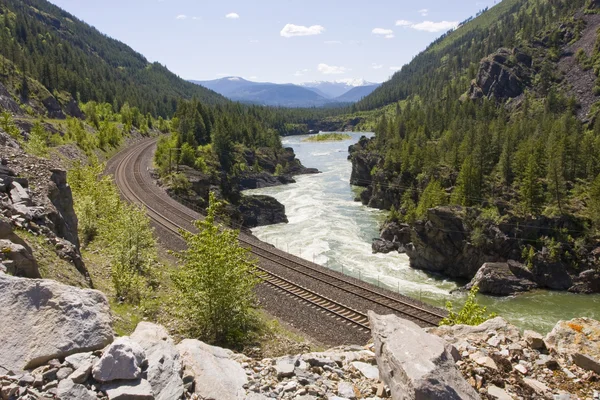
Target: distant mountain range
{"x": 312, "y": 94}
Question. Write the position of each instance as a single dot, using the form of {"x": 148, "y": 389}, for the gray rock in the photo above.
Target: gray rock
{"x": 415, "y": 364}
{"x": 23, "y": 263}
{"x": 457, "y": 334}
{"x": 19, "y": 195}
{"x": 346, "y": 390}
{"x": 285, "y": 367}
{"x": 216, "y": 375}
{"x": 499, "y": 280}
{"x": 369, "y": 371}
{"x": 64, "y": 373}
{"x": 579, "y": 335}
{"x": 69, "y": 390}
{"x": 139, "y": 389}
{"x": 82, "y": 373}
{"x": 537, "y": 386}
{"x": 534, "y": 340}
{"x": 54, "y": 321}
{"x": 164, "y": 364}
{"x": 80, "y": 359}
{"x": 498, "y": 393}
{"x": 586, "y": 362}
{"x": 122, "y": 360}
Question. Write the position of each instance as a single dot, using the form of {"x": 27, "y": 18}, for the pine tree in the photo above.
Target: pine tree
{"x": 530, "y": 191}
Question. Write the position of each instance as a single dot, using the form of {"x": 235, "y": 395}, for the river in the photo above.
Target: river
{"x": 328, "y": 227}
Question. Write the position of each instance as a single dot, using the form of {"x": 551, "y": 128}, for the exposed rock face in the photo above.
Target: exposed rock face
{"x": 504, "y": 74}
{"x": 415, "y": 364}
{"x": 53, "y": 108}
{"x": 69, "y": 390}
{"x": 587, "y": 282}
{"x": 498, "y": 279}
{"x": 384, "y": 246}
{"x": 122, "y": 360}
{"x": 261, "y": 210}
{"x": 216, "y": 375}
{"x": 18, "y": 260}
{"x": 579, "y": 335}
{"x": 263, "y": 180}
{"x": 139, "y": 389}
{"x": 363, "y": 162}
{"x": 64, "y": 219}
{"x": 164, "y": 365}
{"x": 54, "y": 321}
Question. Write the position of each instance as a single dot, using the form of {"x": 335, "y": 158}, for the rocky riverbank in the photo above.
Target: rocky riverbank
{"x": 65, "y": 348}
{"x": 261, "y": 168}
{"x": 499, "y": 251}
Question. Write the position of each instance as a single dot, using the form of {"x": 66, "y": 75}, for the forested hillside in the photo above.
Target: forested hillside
{"x": 511, "y": 137}
{"x": 70, "y": 58}
{"x": 446, "y": 67}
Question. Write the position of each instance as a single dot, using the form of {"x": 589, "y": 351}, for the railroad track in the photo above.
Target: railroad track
{"x": 262, "y": 250}
{"x": 353, "y": 317}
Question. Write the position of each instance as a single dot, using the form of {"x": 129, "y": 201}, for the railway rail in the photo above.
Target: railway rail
{"x": 131, "y": 164}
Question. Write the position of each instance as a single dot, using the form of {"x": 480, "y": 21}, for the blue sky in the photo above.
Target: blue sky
{"x": 276, "y": 40}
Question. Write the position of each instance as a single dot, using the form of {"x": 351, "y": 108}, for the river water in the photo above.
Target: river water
{"x": 328, "y": 227}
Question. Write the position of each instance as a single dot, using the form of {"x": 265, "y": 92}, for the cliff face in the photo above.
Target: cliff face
{"x": 35, "y": 197}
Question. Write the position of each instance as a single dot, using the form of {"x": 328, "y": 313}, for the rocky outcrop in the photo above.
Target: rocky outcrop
{"x": 577, "y": 336}
{"x": 503, "y": 75}
{"x": 54, "y": 321}
{"x": 502, "y": 279}
{"x": 392, "y": 238}
{"x": 262, "y": 180}
{"x": 415, "y": 364}
{"x": 261, "y": 210}
{"x": 444, "y": 242}
{"x": 363, "y": 162}
{"x": 122, "y": 360}
{"x": 53, "y": 108}
{"x": 18, "y": 260}
{"x": 63, "y": 217}
{"x": 215, "y": 374}
{"x": 164, "y": 364}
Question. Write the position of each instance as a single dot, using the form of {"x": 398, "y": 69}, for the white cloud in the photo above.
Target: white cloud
{"x": 403, "y": 22}
{"x": 331, "y": 69}
{"x": 301, "y": 72}
{"x": 395, "y": 68}
{"x": 253, "y": 78}
{"x": 232, "y": 16}
{"x": 429, "y": 26}
{"x": 424, "y": 12}
{"x": 376, "y": 66}
{"x": 291, "y": 30}
{"x": 332, "y": 42}
{"x": 196, "y": 18}
{"x": 181, "y": 16}
{"x": 382, "y": 31}
{"x": 390, "y": 36}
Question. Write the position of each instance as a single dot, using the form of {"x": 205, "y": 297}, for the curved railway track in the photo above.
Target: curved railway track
{"x": 131, "y": 163}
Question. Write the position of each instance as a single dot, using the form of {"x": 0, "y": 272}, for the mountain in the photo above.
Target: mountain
{"x": 50, "y": 56}
{"x": 357, "y": 93}
{"x": 315, "y": 94}
{"x": 336, "y": 89}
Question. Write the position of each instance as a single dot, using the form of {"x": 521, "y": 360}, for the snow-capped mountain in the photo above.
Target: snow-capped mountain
{"x": 311, "y": 94}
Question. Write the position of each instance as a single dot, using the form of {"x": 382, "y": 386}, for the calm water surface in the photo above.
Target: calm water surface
{"x": 326, "y": 225}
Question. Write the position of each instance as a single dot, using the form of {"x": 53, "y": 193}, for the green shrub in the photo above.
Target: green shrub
{"x": 472, "y": 313}
{"x": 215, "y": 282}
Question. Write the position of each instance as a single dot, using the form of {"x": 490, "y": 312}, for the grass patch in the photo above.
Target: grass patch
{"x": 328, "y": 137}
{"x": 50, "y": 264}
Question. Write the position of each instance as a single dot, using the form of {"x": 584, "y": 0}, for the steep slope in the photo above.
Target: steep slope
{"x": 68, "y": 56}
{"x": 451, "y": 62}
{"x": 226, "y": 86}
{"x": 356, "y": 94}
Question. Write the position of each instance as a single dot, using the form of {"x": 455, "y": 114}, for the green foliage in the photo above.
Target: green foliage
{"x": 278, "y": 170}
{"x": 215, "y": 282}
{"x": 594, "y": 202}
{"x": 433, "y": 196}
{"x": 328, "y": 137}
{"x": 8, "y": 125}
{"x": 123, "y": 230}
{"x": 37, "y": 144}
{"x": 471, "y": 313}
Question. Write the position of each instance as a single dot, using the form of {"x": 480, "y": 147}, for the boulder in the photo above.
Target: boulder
{"x": 395, "y": 232}
{"x": 69, "y": 390}
{"x": 43, "y": 319}
{"x": 414, "y": 363}
{"x": 498, "y": 279}
{"x": 385, "y": 247}
{"x": 586, "y": 362}
{"x": 534, "y": 340}
{"x": 19, "y": 195}
{"x": 587, "y": 282}
{"x": 164, "y": 365}
{"x": 577, "y": 336}
{"x": 139, "y": 389}
{"x": 367, "y": 370}
{"x": 216, "y": 375}
{"x": 23, "y": 263}
{"x": 122, "y": 360}
{"x": 459, "y": 333}
{"x": 285, "y": 367}
{"x": 261, "y": 210}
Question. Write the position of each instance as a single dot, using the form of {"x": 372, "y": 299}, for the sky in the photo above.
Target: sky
{"x": 281, "y": 41}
